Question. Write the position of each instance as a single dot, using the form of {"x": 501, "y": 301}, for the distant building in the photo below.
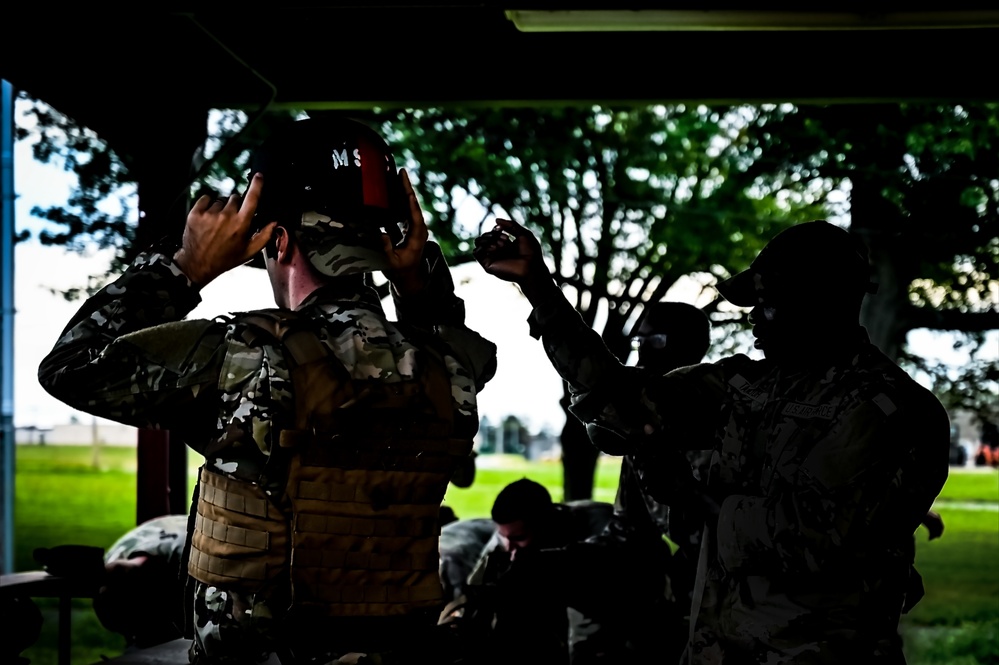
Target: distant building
{"x": 103, "y": 432}
{"x": 543, "y": 446}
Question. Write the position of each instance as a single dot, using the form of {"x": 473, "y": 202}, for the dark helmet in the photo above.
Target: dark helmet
{"x": 811, "y": 259}
{"x": 334, "y": 183}
{"x": 677, "y": 331}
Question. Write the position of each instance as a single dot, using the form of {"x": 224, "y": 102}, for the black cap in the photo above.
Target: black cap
{"x": 815, "y": 257}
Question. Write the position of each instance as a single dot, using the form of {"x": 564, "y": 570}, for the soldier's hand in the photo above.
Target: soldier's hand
{"x": 405, "y": 260}
{"x": 219, "y": 235}
{"x": 934, "y": 524}
{"x": 512, "y": 253}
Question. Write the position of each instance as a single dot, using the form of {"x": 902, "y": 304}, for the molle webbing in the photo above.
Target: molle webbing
{"x": 302, "y": 344}
{"x": 240, "y": 538}
{"x": 369, "y": 463}
{"x": 366, "y": 539}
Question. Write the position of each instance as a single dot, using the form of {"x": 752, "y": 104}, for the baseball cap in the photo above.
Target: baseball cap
{"x": 334, "y": 184}
{"x": 814, "y": 257}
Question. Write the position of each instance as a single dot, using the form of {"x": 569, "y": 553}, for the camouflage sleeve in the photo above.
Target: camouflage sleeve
{"x": 859, "y": 494}
{"x": 159, "y": 537}
{"x": 437, "y": 310}
{"x": 437, "y": 303}
{"x": 489, "y": 562}
{"x": 599, "y": 384}
{"x": 126, "y": 355}
{"x": 619, "y": 403}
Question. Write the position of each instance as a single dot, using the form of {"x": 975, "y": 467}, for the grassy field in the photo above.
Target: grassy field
{"x": 62, "y": 497}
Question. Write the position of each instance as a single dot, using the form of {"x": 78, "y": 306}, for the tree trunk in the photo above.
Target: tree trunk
{"x": 884, "y": 313}
{"x": 880, "y": 222}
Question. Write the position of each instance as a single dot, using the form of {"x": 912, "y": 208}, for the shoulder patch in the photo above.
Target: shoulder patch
{"x": 885, "y": 404}
{"x": 742, "y": 384}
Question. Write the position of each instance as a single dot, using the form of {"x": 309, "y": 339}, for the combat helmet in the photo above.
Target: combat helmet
{"x": 334, "y": 184}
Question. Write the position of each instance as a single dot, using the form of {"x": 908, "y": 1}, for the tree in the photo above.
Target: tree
{"x": 102, "y": 210}
{"x": 85, "y": 219}
{"x": 923, "y": 186}
{"x": 627, "y": 201}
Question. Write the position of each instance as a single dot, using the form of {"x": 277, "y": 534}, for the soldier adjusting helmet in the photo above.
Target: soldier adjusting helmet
{"x": 334, "y": 184}
{"x": 813, "y": 259}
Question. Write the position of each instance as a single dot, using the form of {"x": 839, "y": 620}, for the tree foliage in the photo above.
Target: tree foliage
{"x": 100, "y": 211}
{"x": 628, "y": 202}
{"x": 923, "y": 184}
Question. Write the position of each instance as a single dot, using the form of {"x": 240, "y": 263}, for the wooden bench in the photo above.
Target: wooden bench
{"x": 40, "y": 584}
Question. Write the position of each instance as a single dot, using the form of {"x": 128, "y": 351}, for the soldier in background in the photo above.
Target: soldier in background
{"x": 521, "y": 593}
{"x": 329, "y": 432}
{"x": 461, "y": 545}
{"x": 825, "y": 455}
{"x": 145, "y": 563}
{"x": 645, "y": 614}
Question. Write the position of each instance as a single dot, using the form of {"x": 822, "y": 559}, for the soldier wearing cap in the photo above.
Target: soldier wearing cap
{"x": 329, "y": 432}
{"x": 825, "y": 455}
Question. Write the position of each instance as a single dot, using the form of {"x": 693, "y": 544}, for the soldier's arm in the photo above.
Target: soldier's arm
{"x": 613, "y": 400}
{"x": 619, "y": 404}
{"x": 861, "y": 491}
{"x": 126, "y": 355}
{"x": 423, "y": 294}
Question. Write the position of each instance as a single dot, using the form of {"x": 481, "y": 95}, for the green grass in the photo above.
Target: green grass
{"x": 974, "y": 484}
{"x": 495, "y": 471}
{"x": 61, "y": 497}
{"x": 959, "y": 569}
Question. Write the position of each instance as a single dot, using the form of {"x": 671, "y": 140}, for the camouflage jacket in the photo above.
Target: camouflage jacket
{"x": 162, "y": 537}
{"x": 573, "y": 522}
{"x": 127, "y": 355}
{"x": 822, "y": 476}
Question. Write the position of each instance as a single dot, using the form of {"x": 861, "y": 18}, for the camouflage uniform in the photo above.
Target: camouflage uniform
{"x": 157, "y": 587}
{"x": 461, "y": 544}
{"x": 822, "y": 477}
{"x": 639, "y": 618}
{"x": 542, "y": 610}
{"x": 128, "y": 355}
{"x": 162, "y": 537}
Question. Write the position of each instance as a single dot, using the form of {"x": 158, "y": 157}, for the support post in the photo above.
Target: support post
{"x": 7, "y": 441}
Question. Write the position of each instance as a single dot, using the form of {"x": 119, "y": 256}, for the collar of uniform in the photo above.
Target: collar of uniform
{"x": 347, "y": 289}
{"x": 824, "y": 358}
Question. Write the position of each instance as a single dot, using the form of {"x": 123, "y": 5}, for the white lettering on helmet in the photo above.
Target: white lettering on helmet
{"x": 340, "y": 158}
{"x": 357, "y": 156}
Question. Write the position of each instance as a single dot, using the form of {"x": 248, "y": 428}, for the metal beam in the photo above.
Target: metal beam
{"x": 7, "y": 442}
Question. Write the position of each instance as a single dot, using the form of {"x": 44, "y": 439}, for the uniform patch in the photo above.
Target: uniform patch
{"x": 740, "y": 383}
{"x": 802, "y": 410}
{"x": 885, "y": 404}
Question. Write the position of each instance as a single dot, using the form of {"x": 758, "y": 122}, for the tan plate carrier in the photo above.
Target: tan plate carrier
{"x": 369, "y": 463}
